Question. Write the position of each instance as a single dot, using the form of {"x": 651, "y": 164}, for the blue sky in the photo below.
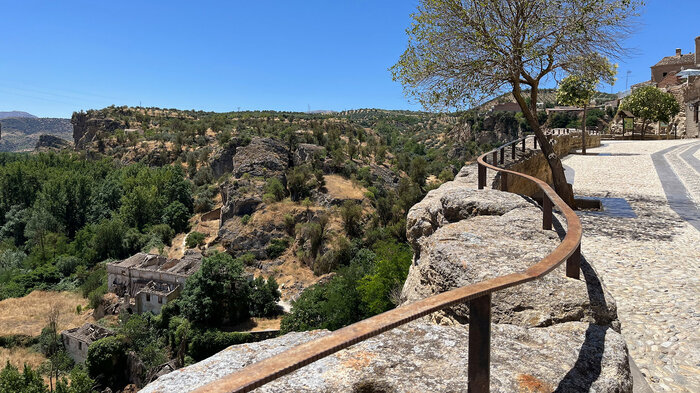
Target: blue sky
{"x": 63, "y": 56}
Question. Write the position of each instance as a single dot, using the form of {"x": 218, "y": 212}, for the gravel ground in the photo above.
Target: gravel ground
{"x": 650, "y": 263}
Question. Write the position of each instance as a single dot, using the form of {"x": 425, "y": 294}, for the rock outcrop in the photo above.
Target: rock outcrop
{"x": 462, "y": 236}
{"x": 50, "y": 142}
{"x": 420, "y": 357}
{"x": 87, "y": 129}
{"x": 307, "y": 153}
{"x": 263, "y": 157}
{"x": 221, "y": 161}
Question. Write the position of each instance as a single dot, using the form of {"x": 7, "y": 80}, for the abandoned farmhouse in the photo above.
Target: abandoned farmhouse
{"x": 147, "y": 282}
{"x": 77, "y": 340}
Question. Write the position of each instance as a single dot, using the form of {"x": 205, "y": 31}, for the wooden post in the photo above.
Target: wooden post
{"x": 546, "y": 213}
{"x": 482, "y": 176}
{"x": 573, "y": 264}
{"x": 479, "y": 368}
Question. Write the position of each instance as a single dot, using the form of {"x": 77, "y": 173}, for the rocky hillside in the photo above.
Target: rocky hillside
{"x": 295, "y": 194}
{"x": 22, "y": 133}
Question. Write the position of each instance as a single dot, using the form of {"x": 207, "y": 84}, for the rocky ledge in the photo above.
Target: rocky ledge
{"x": 554, "y": 334}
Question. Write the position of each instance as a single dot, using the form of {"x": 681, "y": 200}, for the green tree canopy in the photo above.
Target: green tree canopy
{"x": 217, "y": 293}
{"x": 465, "y": 52}
{"x": 651, "y": 104}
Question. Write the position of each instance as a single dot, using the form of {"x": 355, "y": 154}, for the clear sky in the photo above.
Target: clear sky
{"x": 63, "y": 56}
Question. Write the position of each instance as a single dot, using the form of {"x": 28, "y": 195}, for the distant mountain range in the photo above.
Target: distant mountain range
{"x": 5, "y": 115}
{"x": 21, "y": 131}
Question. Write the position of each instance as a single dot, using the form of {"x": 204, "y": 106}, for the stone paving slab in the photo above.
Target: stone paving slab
{"x": 650, "y": 263}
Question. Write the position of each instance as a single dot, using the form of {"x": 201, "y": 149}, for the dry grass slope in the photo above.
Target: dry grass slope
{"x": 27, "y": 315}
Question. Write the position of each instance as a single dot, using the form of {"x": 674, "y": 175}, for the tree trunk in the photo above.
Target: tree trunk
{"x": 583, "y": 130}
{"x": 558, "y": 176}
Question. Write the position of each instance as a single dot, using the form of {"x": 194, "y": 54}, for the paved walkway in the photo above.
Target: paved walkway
{"x": 649, "y": 260}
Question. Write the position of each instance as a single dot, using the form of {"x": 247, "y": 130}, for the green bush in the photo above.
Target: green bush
{"x": 195, "y": 239}
{"x": 289, "y": 224}
{"x": 245, "y": 219}
{"x": 248, "y": 259}
{"x": 205, "y": 343}
{"x": 106, "y": 361}
{"x": 67, "y": 264}
{"x": 163, "y": 232}
{"x": 277, "y": 247}
{"x": 275, "y": 188}
{"x": 351, "y": 213}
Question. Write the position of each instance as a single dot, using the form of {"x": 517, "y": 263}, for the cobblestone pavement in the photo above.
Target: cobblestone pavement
{"x": 651, "y": 262}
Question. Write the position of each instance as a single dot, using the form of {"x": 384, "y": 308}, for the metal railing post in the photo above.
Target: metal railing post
{"x": 501, "y": 150}
{"x": 546, "y": 213}
{"x": 504, "y": 181}
{"x": 573, "y": 264}
{"x": 512, "y": 151}
{"x": 479, "y": 368}
{"x": 524, "y": 139}
{"x": 535, "y": 142}
{"x": 482, "y": 176}
{"x": 495, "y": 158}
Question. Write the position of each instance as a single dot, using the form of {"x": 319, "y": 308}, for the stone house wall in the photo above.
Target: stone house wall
{"x": 151, "y": 302}
{"x": 76, "y": 348}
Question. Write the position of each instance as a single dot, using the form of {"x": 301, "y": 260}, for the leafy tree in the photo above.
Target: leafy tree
{"x": 28, "y": 381}
{"x": 351, "y": 214}
{"x": 334, "y": 304}
{"x": 40, "y": 224}
{"x": 139, "y": 206}
{"x": 217, "y": 293}
{"x": 651, "y": 104}
{"x": 298, "y": 182}
{"x": 107, "y": 240}
{"x": 177, "y": 216}
{"x": 578, "y": 91}
{"x": 106, "y": 361}
{"x": 378, "y": 289}
{"x": 80, "y": 382}
{"x": 264, "y": 295}
{"x": 418, "y": 170}
{"x": 274, "y": 187}
{"x": 466, "y": 52}
{"x": 15, "y": 221}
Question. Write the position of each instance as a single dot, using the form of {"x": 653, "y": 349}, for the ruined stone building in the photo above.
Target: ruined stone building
{"x": 78, "y": 340}
{"x": 147, "y": 282}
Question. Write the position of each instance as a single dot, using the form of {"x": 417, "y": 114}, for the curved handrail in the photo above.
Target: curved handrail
{"x": 267, "y": 370}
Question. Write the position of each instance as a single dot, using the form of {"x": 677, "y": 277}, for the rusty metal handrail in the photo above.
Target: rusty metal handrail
{"x": 479, "y": 296}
